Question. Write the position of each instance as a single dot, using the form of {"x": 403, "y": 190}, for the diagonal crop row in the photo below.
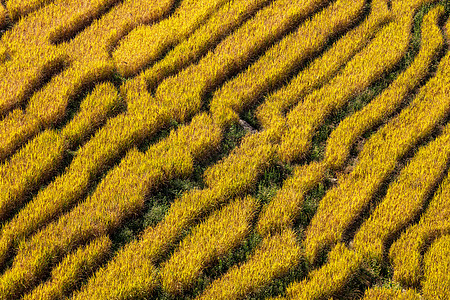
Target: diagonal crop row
{"x": 385, "y": 50}
{"x": 232, "y": 54}
{"x": 436, "y": 283}
{"x": 274, "y": 257}
{"x": 143, "y": 45}
{"x": 72, "y": 270}
{"x": 343, "y": 204}
{"x": 406, "y": 252}
{"x": 341, "y": 139}
{"x": 229, "y": 178}
{"x": 121, "y": 194}
{"x": 332, "y": 277}
{"x": 40, "y": 159}
{"x": 323, "y": 68}
{"x": 281, "y": 60}
{"x": 284, "y": 208}
{"x": 220, "y": 233}
{"x": 222, "y": 22}
{"x": 405, "y": 197}
{"x": 42, "y": 156}
{"x": 86, "y": 57}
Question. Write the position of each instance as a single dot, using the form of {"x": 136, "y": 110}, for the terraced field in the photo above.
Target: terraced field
{"x": 224, "y": 149}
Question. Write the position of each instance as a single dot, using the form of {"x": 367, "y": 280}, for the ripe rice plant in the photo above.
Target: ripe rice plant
{"x": 18, "y": 8}
{"x": 65, "y": 189}
{"x": 223, "y": 21}
{"x": 436, "y": 284}
{"x": 87, "y": 64}
{"x": 232, "y": 54}
{"x": 279, "y": 61}
{"x": 331, "y": 278}
{"x": 281, "y": 212}
{"x": 224, "y": 149}
{"x": 213, "y": 238}
{"x": 376, "y": 162}
{"x": 358, "y": 74}
{"x": 144, "y": 44}
{"x": 405, "y": 197}
{"x": 385, "y": 293}
{"x": 72, "y": 270}
{"x": 405, "y": 252}
{"x": 341, "y": 139}
{"x": 274, "y": 257}
{"x": 323, "y": 68}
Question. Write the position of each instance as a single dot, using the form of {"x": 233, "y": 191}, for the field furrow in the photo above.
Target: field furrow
{"x": 44, "y": 156}
{"x": 143, "y": 45}
{"x": 224, "y": 21}
{"x": 323, "y": 68}
{"x": 275, "y": 66}
{"x": 113, "y": 201}
{"x": 406, "y": 252}
{"x": 214, "y": 238}
{"x": 85, "y": 60}
{"x": 67, "y": 276}
{"x": 378, "y": 57}
{"x": 405, "y": 197}
{"x": 21, "y": 8}
{"x": 341, "y": 205}
{"x": 341, "y": 140}
{"x": 224, "y": 149}
{"x": 273, "y": 258}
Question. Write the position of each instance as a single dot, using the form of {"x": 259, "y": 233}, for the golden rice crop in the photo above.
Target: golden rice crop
{"x": 378, "y": 293}
{"x": 72, "y": 270}
{"x": 120, "y": 195}
{"x": 341, "y": 266}
{"x": 344, "y": 136}
{"x": 406, "y": 252}
{"x": 436, "y": 283}
{"x": 117, "y": 114}
{"x": 221, "y": 22}
{"x": 145, "y": 44}
{"x": 323, "y": 68}
{"x": 65, "y": 189}
{"x": 233, "y": 53}
{"x": 210, "y": 240}
{"x": 405, "y": 197}
{"x": 385, "y": 50}
{"x": 30, "y": 167}
{"x": 274, "y": 257}
{"x": 129, "y": 275}
{"x": 281, "y": 212}
{"x": 285, "y": 211}
{"x": 184, "y": 212}
{"x": 342, "y": 205}
{"x": 279, "y": 61}
{"x": 20, "y": 8}
{"x": 85, "y": 59}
